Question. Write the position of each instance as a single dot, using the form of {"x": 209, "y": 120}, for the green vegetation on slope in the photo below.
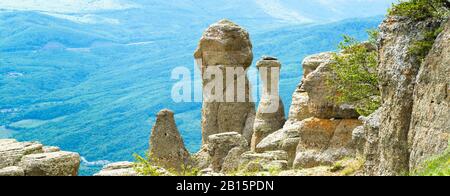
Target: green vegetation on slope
{"x": 438, "y": 166}
{"x": 421, "y": 10}
{"x": 356, "y": 77}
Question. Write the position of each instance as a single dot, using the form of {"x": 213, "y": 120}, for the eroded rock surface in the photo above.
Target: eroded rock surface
{"x": 166, "y": 145}
{"x": 430, "y": 121}
{"x": 270, "y": 115}
{"x": 34, "y": 159}
{"x": 227, "y": 47}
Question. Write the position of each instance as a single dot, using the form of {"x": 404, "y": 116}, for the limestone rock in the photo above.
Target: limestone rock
{"x": 371, "y": 125}
{"x": 258, "y": 162}
{"x": 321, "y": 94}
{"x": 12, "y": 171}
{"x": 323, "y": 142}
{"x": 11, "y": 151}
{"x": 201, "y": 159}
{"x": 118, "y": 169}
{"x": 270, "y": 115}
{"x": 232, "y": 160}
{"x": 430, "y": 122}
{"x": 397, "y": 74}
{"x": 47, "y": 149}
{"x": 311, "y": 63}
{"x": 51, "y": 164}
{"x": 219, "y": 146}
{"x": 226, "y": 45}
{"x": 166, "y": 145}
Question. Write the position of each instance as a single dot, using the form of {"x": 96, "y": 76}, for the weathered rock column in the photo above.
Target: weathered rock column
{"x": 224, "y": 54}
{"x": 166, "y": 144}
{"x": 270, "y": 115}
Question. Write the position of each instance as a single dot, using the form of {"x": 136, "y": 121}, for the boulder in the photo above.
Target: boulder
{"x": 118, "y": 169}
{"x": 323, "y": 141}
{"x": 231, "y": 162}
{"x": 51, "y": 164}
{"x": 322, "y": 96}
{"x": 266, "y": 161}
{"x": 166, "y": 145}
{"x": 12, "y": 171}
{"x": 219, "y": 146}
{"x": 226, "y": 47}
{"x": 11, "y": 151}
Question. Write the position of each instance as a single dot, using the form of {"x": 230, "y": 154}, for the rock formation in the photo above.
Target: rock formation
{"x": 118, "y": 169}
{"x": 220, "y": 146}
{"x": 318, "y": 130}
{"x": 225, "y": 50}
{"x": 270, "y": 114}
{"x": 166, "y": 145}
{"x": 430, "y": 121}
{"x": 33, "y": 159}
{"x": 397, "y": 72}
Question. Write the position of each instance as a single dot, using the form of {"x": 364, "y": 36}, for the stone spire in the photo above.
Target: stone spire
{"x": 166, "y": 144}
{"x": 270, "y": 115}
{"x": 223, "y": 55}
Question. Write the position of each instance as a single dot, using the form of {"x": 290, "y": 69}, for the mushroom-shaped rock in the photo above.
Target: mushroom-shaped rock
{"x": 166, "y": 145}
{"x": 270, "y": 115}
{"x": 223, "y": 55}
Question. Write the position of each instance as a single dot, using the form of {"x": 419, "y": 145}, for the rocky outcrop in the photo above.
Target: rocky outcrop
{"x": 270, "y": 115}
{"x": 322, "y": 96}
{"x": 397, "y": 73}
{"x": 51, "y": 164}
{"x": 12, "y": 171}
{"x": 225, "y": 50}
{"x": 118, "y": 169}
{"x": 220, "y": 145}
{"x": 324, "y": 141}
{"x": 166, "y": 145}
{"x": 34, "y": 159}
{"x": 318, "y": 130}
{"x": 430, "y": 120}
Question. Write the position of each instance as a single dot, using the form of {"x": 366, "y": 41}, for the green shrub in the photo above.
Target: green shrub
{"x": 421, "y": 9}
{"x": 355, "y": 72}
{"x": 146, "y": 166}
{"x": 149, "y": 166}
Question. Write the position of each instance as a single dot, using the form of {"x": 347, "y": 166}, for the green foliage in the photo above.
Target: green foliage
{"x": 421, "y": 9}
{"x": 149, "y": 166}
{"x": 421, "y": 48}
{"x": 438, "y": 166}
{"x": 356, "y": 77}
{"x": 146, "y": 166}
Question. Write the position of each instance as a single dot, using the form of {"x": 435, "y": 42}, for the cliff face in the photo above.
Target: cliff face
{"x": 430, "y": 126}
{"x": 414, "y": 97}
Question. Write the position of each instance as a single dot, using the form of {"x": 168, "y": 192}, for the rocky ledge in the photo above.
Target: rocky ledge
{"x": 35, "y": 159}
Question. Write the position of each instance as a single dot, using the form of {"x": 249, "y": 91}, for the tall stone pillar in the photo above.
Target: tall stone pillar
{"x": 224, "y": 54}
{"x": 270, "y": 115}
